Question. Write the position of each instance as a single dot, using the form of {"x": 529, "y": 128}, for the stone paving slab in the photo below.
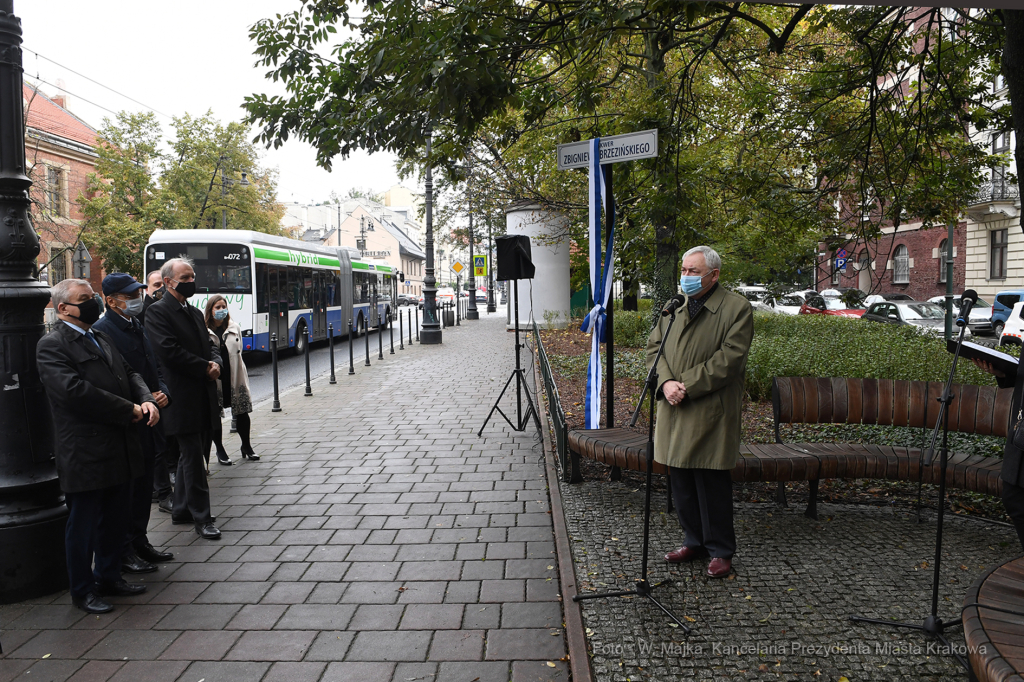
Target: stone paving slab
{"x": 784, "y": 613}
{"x": 378, "y": 538}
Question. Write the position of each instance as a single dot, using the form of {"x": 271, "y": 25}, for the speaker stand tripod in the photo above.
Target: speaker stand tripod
{"x": 520, "y": 378}
{"x": 643, "y": 587}
{"x": 933, "y": 625}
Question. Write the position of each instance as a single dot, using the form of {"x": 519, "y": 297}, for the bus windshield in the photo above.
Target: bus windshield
{"x": 220, "y": 268}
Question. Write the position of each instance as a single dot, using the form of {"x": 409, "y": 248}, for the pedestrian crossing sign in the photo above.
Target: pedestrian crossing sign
{"x": 479, "y": 266}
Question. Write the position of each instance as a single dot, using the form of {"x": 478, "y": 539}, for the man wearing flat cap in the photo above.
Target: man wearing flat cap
{"x": 123, "y": 296}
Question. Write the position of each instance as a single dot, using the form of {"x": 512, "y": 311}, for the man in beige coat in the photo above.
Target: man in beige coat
{"x": 700, "y": 404}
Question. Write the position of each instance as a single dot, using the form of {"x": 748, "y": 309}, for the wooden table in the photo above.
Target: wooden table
{"x": 995, "y": 639}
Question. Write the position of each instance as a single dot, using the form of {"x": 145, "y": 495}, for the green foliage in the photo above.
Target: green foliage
{"x": 136, "y": 189}
{"x": 632, "y": 328}
{"x": 831, "y": 346}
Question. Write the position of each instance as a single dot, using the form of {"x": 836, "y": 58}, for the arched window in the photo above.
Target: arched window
{"x": 942, "y": 260}
{"x": 901, "y": 265}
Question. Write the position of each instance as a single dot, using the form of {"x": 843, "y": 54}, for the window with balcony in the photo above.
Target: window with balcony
{"x": 997, "y": 254}
{"x": 901, "y": 265}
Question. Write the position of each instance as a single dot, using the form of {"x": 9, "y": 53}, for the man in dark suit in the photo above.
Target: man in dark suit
{"x": 191, "y": 366}
{"x": 95, "y": 397}
{"x": 1012, "y": 472}
{"x": 124, "y": 302}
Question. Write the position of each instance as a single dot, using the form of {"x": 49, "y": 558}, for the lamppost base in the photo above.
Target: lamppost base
{"x": 491, "y": 308}
{"x": 33, "y": 562}
{"x": 473, "y": 314}
{"x": 430, "y": 336}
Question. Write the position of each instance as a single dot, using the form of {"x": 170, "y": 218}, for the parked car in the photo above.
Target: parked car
{"x": 1001, "y": 308}
{"x": 754, "y": 293}
{"x": 980, "y": 321}
{"x": 816, "y": 304}
{"x": 789, "y": 304}
{"x": 921, "y": 314}
{"x": 1013, "y": 327}
{"x": 445, "y": 295}
{"x": 481, "y": 296}
{"x": 407, "y": 299}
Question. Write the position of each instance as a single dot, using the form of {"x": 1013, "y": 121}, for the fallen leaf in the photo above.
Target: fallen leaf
{"x": 692, "y": 620}
{"x": 550, "y": 567}
{"x": 550, "y": 664}
{"x": 46, "y": 656}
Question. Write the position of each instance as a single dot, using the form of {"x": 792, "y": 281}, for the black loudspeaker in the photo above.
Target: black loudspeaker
{"x": 515, "y": 259}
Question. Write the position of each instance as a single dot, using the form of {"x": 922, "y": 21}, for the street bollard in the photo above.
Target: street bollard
{"x": 330, "y": 344}
{"x": 351, "y": 364}
{"x": 366, "y": 333}
{"x": 273, "y": 358}
{"x": 401, "y": 333}
{"x": 380, "y": 341}
{"x": 309, "y": 388}
{"x": 391, "y": 332}
{"x": 410, "y": 327}
{"x": 458, "y": 309}
{"x": 417, "y": 325}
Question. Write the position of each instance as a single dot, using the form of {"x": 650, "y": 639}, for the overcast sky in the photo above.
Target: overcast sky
{"x": 184, "y": 56}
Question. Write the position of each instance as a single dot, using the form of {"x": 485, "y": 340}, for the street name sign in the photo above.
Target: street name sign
{"x": 614, "y": 148}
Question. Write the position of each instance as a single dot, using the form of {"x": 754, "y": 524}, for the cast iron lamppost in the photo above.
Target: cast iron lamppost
{"x": 32, "y": 510}
{"x": 430, "y": 332}
{"x": 471, "y": 312}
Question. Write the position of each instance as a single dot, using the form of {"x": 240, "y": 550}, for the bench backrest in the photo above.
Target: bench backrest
{"x": 815, "y": 400}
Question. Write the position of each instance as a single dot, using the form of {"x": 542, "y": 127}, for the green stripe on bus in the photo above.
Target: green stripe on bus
{"x": 295, "y": 257}
{"x": 357, "y": 265}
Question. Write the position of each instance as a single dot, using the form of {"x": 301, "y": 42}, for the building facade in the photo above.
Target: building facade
{"x": 60, "y": 155}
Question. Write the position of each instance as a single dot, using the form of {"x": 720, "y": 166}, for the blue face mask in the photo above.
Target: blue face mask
{"x": 220, "y": 314}
{"x": 691, "y": 284}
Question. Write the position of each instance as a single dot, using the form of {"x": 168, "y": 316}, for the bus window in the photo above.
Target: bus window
{"x": 261, "y": 288}
{"x": 360, "y": 287}
{"x": 306, "y": 288}
{"x": 220, "y": 268}
{"x": 293, "y": 289}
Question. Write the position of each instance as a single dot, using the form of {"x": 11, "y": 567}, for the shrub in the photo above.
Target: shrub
{"x": 830, "y": 346}
{"x": 632, "y": 328}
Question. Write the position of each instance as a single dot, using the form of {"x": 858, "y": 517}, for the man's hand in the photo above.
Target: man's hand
{"x": 674, "y": 391}
{"x": 137, "y": 413}
{"x": 988, "y": 368}
{"x": 151, "y": 412}
{"x": 161, "y": 399}
{"x": 212, "y": 370}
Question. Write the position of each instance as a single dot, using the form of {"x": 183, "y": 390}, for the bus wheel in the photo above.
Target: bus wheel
{"x": 300, "y": 338}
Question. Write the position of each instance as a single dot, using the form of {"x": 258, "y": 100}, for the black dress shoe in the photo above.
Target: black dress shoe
{"x": 90, "y": 603}
{"x": 133, "y": 563}
{"x": 223, "y": 459}
{"x": 208, "y": 531}
{"x": 250, "y": 454}
{"x": 165, "y": 505}
{"x": 152, "y": 554}
{"x": 182, "y": 520}
{"x": 121, "y": 588}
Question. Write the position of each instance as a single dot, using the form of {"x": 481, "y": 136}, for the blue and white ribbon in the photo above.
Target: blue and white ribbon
{"x": 600, "y": 279}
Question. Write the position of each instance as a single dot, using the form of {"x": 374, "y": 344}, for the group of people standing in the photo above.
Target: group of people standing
{"x": 132, "y": 391}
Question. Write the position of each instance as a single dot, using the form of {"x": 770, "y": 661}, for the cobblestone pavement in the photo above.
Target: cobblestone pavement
{"x": 783, "y": 616}
{"x": 377, "y": 539}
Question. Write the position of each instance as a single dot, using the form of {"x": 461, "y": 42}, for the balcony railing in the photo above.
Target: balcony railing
{"x": 996, "y": 191}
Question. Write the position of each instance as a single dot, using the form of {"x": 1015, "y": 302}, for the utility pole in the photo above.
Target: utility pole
{"x": 431, "y": 331}
{"x": 32, "y": 510}
{"x": 471, "y": 312}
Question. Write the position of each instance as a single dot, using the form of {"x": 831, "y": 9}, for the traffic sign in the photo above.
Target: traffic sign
{"x": 840, "y": 263}
{"x": 842, "y": 253}
{"x": 614, "y": 148}
{"x": 458, "y": 267}
{"x": 479, "y": 266}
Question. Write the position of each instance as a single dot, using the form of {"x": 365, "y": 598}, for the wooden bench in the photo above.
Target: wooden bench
{"x": 995, "y": 636}
{"x": 811, "y": 400}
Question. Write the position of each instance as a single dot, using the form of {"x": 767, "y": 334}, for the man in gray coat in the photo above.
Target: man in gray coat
{"x": 95, "y": 396}
{"x": 700, "y": 407}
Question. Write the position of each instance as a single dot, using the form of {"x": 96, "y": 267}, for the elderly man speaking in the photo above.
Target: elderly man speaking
{"x": 700, "y": 404}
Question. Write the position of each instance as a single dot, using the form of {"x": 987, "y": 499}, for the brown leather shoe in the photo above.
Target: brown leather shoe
{"x": 719, "y": 567}
{"x": 678, "y": 556}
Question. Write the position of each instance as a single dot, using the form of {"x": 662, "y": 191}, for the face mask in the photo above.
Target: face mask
{"x": 691, "y": 284}
{"x": 88, "y": 311}
{"x": 186, "y": 289}
{"x": 133, "y": 306}
{"x": 220, "y": 314}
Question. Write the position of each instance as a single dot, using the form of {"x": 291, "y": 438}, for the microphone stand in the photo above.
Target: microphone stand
{"x": 933, "y": 625}
{"x": 643, "y": 587}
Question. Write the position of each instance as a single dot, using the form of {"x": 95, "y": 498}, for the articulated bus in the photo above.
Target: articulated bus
{"x": 281, "y": 286}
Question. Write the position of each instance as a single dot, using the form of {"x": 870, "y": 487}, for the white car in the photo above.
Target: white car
{"x": 980, "y": 321}
{"x": 789, "y": 304}
{"x": 753, "y": 293}
{"x": 1013, "y": 330}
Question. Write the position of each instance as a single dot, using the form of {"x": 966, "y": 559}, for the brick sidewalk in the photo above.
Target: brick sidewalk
{"x": 377, "y": 539}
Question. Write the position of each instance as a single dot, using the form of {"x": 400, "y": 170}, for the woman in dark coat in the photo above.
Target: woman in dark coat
{"x": 233, "y": 387}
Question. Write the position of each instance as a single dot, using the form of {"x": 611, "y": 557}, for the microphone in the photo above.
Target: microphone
{"x": 674, "y": 304}
{"x": 967, "y": 301}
